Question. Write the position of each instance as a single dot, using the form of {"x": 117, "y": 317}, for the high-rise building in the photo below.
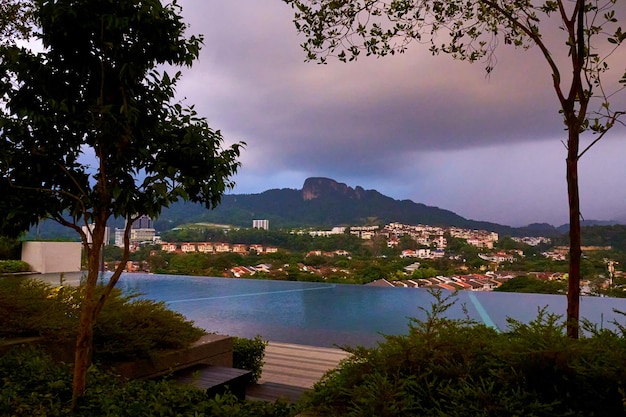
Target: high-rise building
{"x": 261, "y": 224}
{"x": 143, "y": 222}
{"x": 141, "y": 231}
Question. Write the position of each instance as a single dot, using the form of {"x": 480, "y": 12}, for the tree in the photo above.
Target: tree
{"x": 90, "y": 131}
{"x": 470, "y": 30}
{"x": 15, "y": 20}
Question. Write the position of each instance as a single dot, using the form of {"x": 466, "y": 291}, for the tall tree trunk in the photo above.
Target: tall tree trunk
{"x": 573, "y": 287}
{"x": 84, "y": 339}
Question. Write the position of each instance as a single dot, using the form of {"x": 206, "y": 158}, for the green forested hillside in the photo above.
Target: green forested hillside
{"x": 614, "y": 236}
{"x": 332, "y": 204}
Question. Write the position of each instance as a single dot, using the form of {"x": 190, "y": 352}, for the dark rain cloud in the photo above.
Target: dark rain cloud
{"x": 392, "y": 124}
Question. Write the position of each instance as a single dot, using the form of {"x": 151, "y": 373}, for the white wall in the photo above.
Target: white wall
{"x": 52, "y": 257}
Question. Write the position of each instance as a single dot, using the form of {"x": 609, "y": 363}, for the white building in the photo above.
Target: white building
{"x": 88, "y": 230}
{"x": 261, "y": 224}
{"x": 52, "y": 257}
{"x": 141, "y": 231}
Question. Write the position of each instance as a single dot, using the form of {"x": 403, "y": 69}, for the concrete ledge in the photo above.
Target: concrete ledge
{"x": 211, "y": 349}
{"x": 7, "y": 344}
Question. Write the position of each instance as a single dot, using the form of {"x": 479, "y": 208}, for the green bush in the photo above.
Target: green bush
{"x": 128, "y": 327}
{"x": 459, "y": 368}
{"x": 31, "y": 308}
{"x": 248, "y": 354}
{"x": 31, "y": 385}
{"x": 13, "y": 266}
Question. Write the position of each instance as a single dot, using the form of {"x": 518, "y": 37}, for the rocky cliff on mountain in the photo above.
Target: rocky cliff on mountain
{"x": 317, "y": 187}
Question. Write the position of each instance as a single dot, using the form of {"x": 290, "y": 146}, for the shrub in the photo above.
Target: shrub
{"x": 248, "y": 354}
{"x": 128, "y": 327}
{"x": 29, "y": 308}
{"x": 13, "y": 266}
{"x": 465, "y": 369}
{"x": 32, "y": 385}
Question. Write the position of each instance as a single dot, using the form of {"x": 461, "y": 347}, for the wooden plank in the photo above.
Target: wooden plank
{"x": 215, "y": 379}
{"x": 290, "y": 370}
{"x": 271, "y": 391}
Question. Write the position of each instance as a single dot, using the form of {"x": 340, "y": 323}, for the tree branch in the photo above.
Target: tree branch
{"x": 556, "y": 75}
{"x": 613, "y": 119}
{"x": 118, "y": 270}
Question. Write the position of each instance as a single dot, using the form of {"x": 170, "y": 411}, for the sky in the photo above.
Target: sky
{"x": 429, "y": 129}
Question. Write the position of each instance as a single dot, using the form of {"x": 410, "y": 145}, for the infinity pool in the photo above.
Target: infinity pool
{"x": 321, "y": 314}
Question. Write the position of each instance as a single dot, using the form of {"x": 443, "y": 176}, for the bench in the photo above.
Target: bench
{"x": 215, "y": 379}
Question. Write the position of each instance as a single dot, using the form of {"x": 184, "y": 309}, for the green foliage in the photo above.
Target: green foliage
{"x": 30, "y": 308}
{"x": 12, "y": 266}
{"x": 540, "y": 263}
{"x": 15, "y": 20}
{"x": 112, "y": 253}
{"x": 528, "y": 284}
{"x": 372, "y": 273}
{"x": 98, "y": 91}
{"x": 421, "y": 273}
{"x": 129, "y": 327}
{"x": 248, "y": 354}
{"x": 32, "y": 385}
{"x": 89, "y": 93}
{"x": 9, "y": 248}
{"x": 614, "y": 236}
{"x": 456, "y": 367}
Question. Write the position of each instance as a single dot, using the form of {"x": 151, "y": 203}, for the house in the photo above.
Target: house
{"x": 446, "y": 286}
{"x": 412, "y": 284}
{"x": 132, "y": 266}
{"x": 419, "y": 253}
{"x": 188, "y": 247}
{"x": 205, "y": 247}
{"x": 240, "y": 248}
{"x": 256, "y": 248}
{"x": 239, "y": 271}
{"x": 410, "y": 268}
{"x": 476, "y": 286}
{"x": 380, "y": 283}
{"x": 393, "y": 242}
{"x": 483, "y": 284}
{"x": 221, "y": 247}
{"x": 458, "y": 281}
{"x": 438, "y": 253}
{"x": 169, "y": 247}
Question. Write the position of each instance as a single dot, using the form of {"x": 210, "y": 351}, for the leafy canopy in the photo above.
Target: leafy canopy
{"x": 90, "y": 126}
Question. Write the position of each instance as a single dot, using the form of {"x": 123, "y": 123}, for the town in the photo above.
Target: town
{"x": 395, "y": 255}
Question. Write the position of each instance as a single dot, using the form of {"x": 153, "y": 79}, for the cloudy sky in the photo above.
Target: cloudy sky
{"x": 429, "y": 129}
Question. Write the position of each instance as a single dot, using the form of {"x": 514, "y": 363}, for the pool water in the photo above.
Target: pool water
{"x": 321, "y": 314}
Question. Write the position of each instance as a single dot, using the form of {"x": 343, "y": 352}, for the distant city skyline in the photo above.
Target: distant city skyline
{"x": 429, "y": 129}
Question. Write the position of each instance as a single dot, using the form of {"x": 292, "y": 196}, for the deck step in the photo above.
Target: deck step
{"x": 215, "y": 379}
{"x": 272, "y": 391}
{"x": 291, "y": 370}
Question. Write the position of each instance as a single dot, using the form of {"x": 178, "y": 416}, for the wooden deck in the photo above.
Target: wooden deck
{"x": 289, "y": 370}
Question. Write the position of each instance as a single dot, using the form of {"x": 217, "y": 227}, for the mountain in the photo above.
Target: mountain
{"x": 324, "y": 203}
{"x": 321, "y": 203}
{"x": 588, "y": 223}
